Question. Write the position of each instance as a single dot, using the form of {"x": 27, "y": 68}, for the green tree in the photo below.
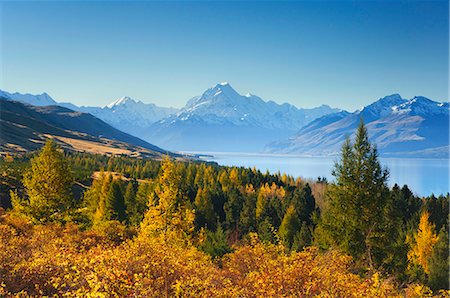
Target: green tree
{"x": 247, "y": 219}
{"x": 204, "y": 209}
{"x": 130, "y": 201}
{"x": 115, "y": 203}
{"x": 216, "y": 244}
{"x": 48, "y": 184}
{"x": 289, "y": 226}
{"x": 438, "y": 263}
{"x": 355, "y": 207}
{"x": 302, "y": 238}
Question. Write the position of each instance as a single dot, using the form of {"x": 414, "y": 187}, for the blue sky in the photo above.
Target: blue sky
{"x": 342, "y": 53}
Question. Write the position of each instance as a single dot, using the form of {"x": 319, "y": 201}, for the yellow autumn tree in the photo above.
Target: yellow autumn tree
{"x": 423, "y": 242}
{"x": 48, "y": 185}
{"x": 168, "y": 218}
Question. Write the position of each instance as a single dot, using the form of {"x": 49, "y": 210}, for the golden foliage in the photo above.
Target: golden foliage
{"x": 423, "y": 242}
{"x": 64, "y": 261}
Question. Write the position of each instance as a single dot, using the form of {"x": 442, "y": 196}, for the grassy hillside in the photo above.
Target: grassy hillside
{"x": 25, "y": 128}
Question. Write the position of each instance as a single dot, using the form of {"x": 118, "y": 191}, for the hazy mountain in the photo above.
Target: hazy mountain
{"x": 129, "y": 115}
{"x": 417, "y": 127}
{"x": 223, "y": 120}
{"x": 36, "y": 100}
{"x": 25, "y": 127}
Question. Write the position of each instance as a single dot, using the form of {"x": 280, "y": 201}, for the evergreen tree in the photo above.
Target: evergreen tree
{"x": 356, "y": 202}
{"x": 232, "y": 208}
{"x": 204, "y": 209}
{"x": 131, "y": 204}
{"x": 266, "y": 231}
{"x": 247, "y": 218}
{"x": 216, "y": 244}
{"x": 302, "y": 238}
{"x": 289, "y": 226}
{"x": 438, "y": 263}
{"x": 261, "y": 206}
{"x": 115, "y": 203}
{"x": 48, "y": 184}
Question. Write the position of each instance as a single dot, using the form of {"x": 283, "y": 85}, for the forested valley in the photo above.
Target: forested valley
{"x": 79, "y": 224}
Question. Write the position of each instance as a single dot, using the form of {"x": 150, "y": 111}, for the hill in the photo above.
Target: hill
{"x": 25, "y": 128}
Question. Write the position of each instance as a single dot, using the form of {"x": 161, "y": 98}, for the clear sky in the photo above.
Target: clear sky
{"x": 342, "y": 53}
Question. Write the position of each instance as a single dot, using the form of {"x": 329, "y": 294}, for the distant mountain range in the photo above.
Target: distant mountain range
{"x": 25, "y": 128}
{"x": 418, "y": 127}
{"x": 218, "y": 120}
{"x": 223, "y": 120}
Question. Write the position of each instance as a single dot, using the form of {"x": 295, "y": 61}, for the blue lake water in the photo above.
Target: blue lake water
{"x": 423, "y": 176}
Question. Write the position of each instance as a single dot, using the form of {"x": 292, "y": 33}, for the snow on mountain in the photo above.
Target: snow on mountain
{"x": 395, "y": 124}
{"x": 223, "y": 120}
{"x": 129, "y": 115}
{"x": 222, "y": 101}
{"x": 35, "y": 100}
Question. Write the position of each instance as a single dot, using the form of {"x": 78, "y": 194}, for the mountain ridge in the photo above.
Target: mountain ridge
{"x": 25, "y": 128}
{"x": 395, "y": 124}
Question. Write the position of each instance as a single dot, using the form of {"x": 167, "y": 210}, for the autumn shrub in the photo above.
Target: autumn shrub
{"x": 64, "y": 261}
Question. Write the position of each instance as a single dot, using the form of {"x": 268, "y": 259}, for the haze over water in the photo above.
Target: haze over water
{"x": 423, "y": 176}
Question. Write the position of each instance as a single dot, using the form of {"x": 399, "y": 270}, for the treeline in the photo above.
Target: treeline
{"x": 218, "y": 210}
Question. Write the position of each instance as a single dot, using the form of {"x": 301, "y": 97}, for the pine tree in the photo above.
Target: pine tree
{"x": 216, "y": 244}
{"x": 48, "y": 184}
{"x": 354, "y": 216}
{"x": 130, "y": 202}
{"x": 438, "y": 263}
{"x": 204, "y": 209}
{"x": 115, "y": 203}
{"x": 289, "y": 226}
{"x": 302, "y": 238}
{"x": 261, "y": 206}
{"x": 247, "y": 219}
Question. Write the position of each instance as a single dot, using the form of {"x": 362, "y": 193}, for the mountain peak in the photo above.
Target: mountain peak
{"x": 223, "y": 89}
{"x": 121, "y": 101}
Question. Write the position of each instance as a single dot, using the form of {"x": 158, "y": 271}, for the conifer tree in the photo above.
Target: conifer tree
{"x": 131, "y": 205}
{"x": 289, "y": 226}
{"x": 168, "y": 218}
{"x": 438, "y": 263}
{"x": 48, "y": 184}
{"x": 247, "y": 218}
{"x": 204, "y": 209}
{"x": 101, "y": 213}
{"x": 356, "y": 202}
{"x": 302, "y": 238}
{"x": 261, "y": 205}
{"x": 216, "y": 244}
{"x": 115, "y": 203}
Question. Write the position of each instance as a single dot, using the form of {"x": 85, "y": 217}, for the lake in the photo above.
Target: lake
{"x": 423, "y": 176}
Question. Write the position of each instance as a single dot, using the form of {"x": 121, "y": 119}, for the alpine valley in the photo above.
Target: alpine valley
{"x": 222, "y": 120}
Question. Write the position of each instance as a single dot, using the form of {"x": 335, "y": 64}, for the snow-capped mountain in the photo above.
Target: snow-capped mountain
{"x": 400, "y": 127}
{"x": 35, "y": 100}
{"x": 223, "y": 120}
{"x": 129, "y": 115}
